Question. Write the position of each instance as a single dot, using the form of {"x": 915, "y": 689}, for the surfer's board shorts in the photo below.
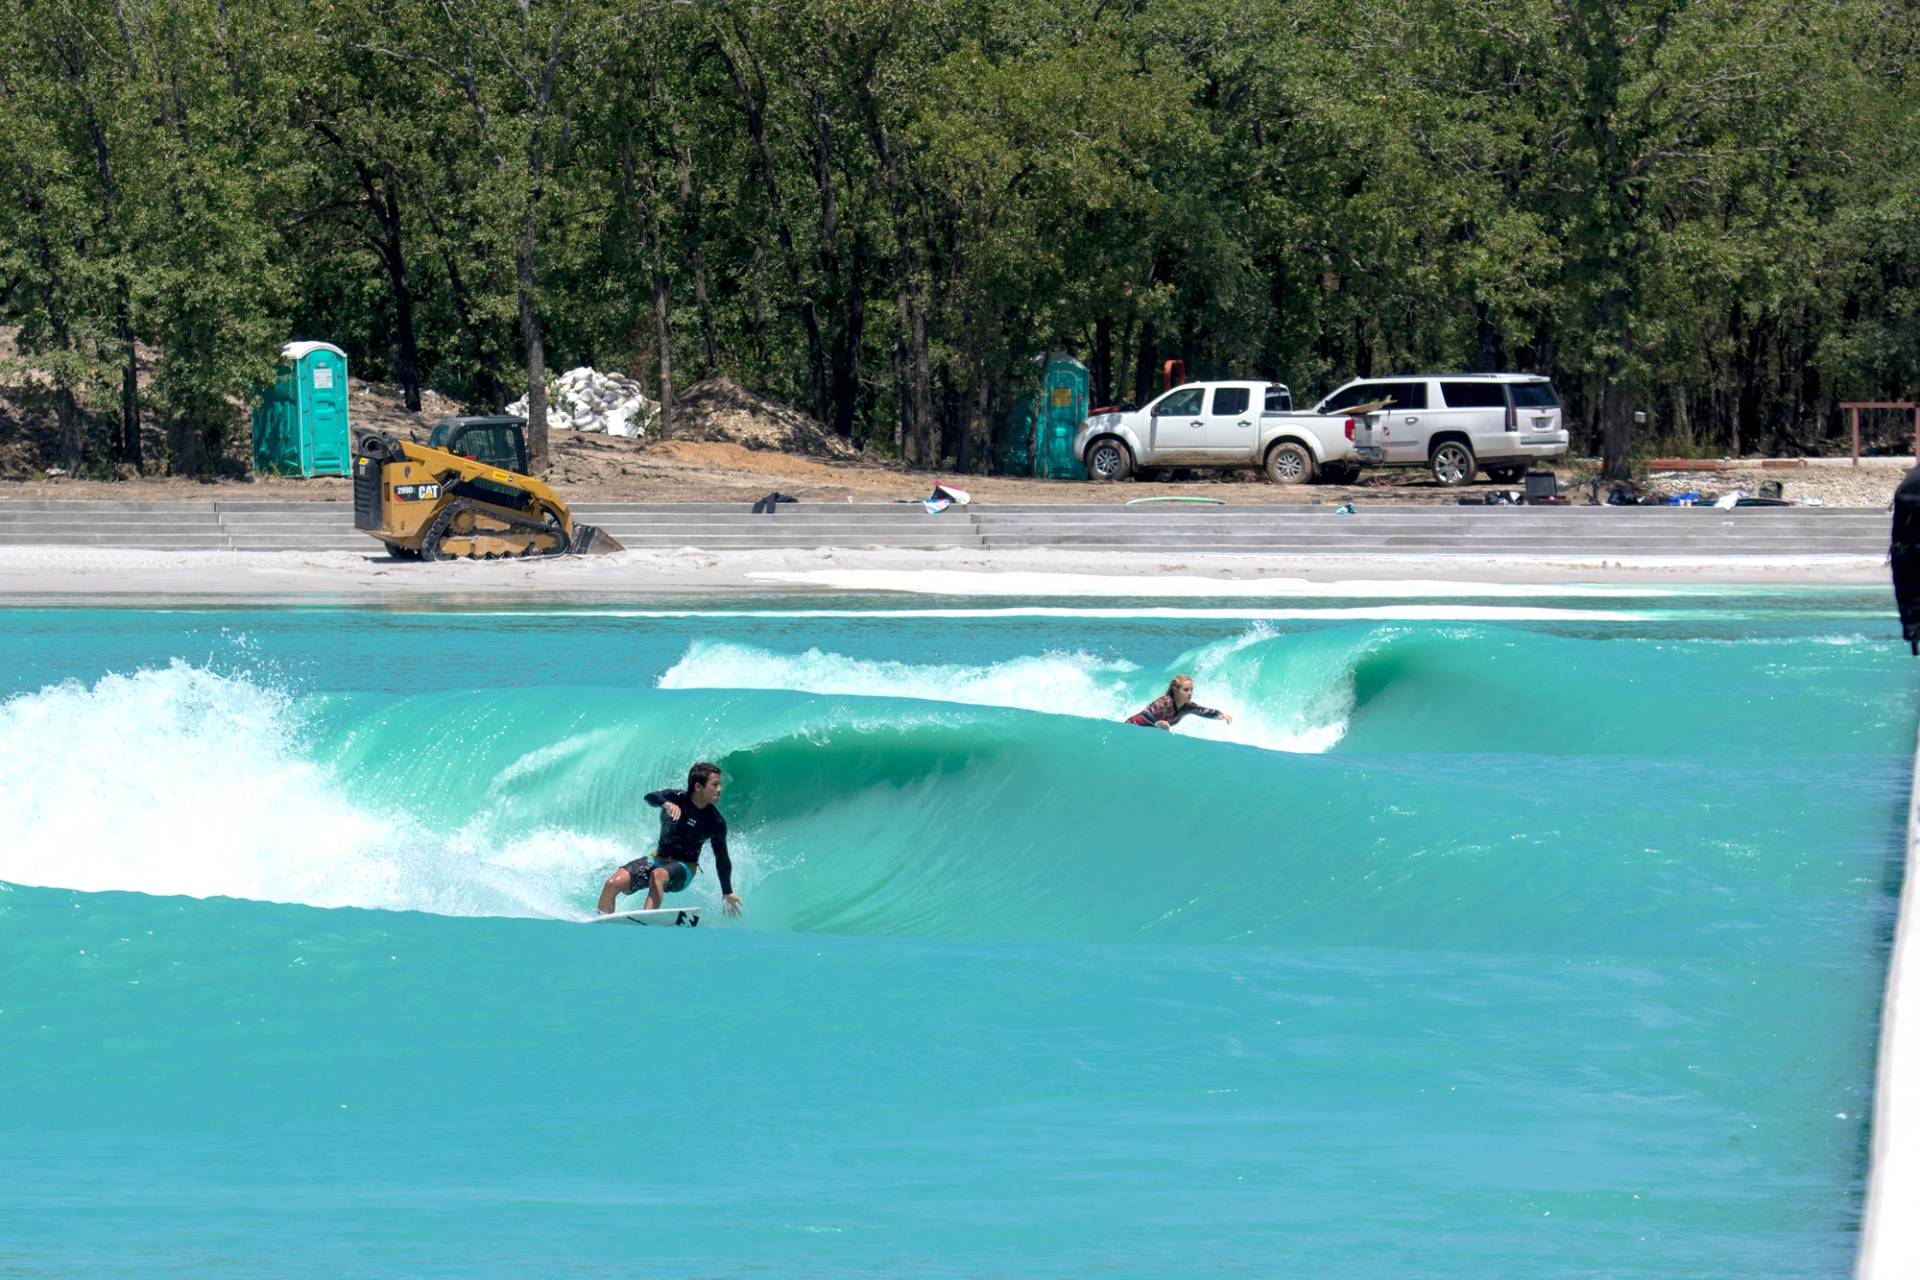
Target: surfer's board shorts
{"x": 640, "y": 872}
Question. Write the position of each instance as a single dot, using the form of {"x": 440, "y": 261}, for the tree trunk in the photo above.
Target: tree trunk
{"x": 662, "y": 323}
{"x": 1489, "y": 337}
{"x": 696, "y": 258}
{"x": 753, "y": 104}
{"x": 536, "y": 350}
{"x": 486, "y": 377}
{"x": 406, "y": 364}
{"x": 1617, "y": 403}
{"x": 691, "y": 223}
{"x": 1101, "y": 374}
{"x": 67, "y": 413}
{"x": 129, "y": 383}
{"x": 841, "y": 391}
{"x": 1145, "y": 373}
{"x": 976, "y": 448}
{"x": 912, "y": 372}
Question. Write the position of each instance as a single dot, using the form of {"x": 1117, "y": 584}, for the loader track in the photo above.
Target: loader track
{"x": 438, "y": 532}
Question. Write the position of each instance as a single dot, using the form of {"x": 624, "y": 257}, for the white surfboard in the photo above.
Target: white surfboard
{"x": 684, "y": 917}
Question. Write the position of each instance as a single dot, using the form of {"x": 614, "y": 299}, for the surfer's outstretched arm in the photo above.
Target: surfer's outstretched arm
{"x": 729, "y": 900}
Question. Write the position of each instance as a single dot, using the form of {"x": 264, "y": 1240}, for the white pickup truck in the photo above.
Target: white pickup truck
{"x": 1218, "y": 424}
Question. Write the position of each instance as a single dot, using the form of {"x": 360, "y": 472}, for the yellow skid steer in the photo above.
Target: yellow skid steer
{"x": 465, "y": 494}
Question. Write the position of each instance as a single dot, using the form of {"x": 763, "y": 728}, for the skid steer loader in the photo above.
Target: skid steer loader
{"x": 465, "y": 494}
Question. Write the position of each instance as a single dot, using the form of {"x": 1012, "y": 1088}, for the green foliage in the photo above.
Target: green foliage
{"x": 880, "y": 210}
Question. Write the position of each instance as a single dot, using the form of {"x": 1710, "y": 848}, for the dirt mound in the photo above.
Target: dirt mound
{"x": 382, "y": 406}
{"x": 722, "y": 411}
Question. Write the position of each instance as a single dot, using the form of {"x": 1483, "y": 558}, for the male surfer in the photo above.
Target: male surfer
{"x": 1165, "y": 711}
{"x": 688, "y": 819}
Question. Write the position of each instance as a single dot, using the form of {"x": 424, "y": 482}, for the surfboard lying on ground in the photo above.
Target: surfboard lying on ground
{"x": 688, "y": 917}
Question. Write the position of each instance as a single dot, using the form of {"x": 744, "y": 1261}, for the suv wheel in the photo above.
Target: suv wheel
{"x": 1506, "y": 475}
{"x": 1452, "y": 463}
{"x": 1108, "y": 461}
{"x": 1289, "y": 463}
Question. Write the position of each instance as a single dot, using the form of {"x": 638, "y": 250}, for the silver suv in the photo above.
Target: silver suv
{"x": 1455, "y": 424}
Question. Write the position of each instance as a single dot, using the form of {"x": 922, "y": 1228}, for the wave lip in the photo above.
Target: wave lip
{"x": 1285, "y": 693}
{"x": 963, "y": 582}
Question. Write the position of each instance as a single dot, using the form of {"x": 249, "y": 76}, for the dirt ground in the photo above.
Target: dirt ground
{"x": 732, "y": 446}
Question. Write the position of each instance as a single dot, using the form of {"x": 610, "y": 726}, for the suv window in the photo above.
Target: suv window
{"x": 1405, "y": 395}
{"x": 1228, "y": 400}
{"x": 1279, "y": 400}
{"x": 1535, "y": 395}
{"x": 1358, "y": 393}
{"x": 1474, "y": 395}
{"x": 1181, "y": 404}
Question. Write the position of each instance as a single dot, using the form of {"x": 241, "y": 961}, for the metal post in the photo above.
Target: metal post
{"x": 1855, "y": 415}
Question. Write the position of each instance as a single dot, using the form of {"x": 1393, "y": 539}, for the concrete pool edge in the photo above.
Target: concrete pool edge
{"x": 1889, "y": 1238}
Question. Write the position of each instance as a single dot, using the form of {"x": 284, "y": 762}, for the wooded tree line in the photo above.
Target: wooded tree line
{"x": 880, "y": 210}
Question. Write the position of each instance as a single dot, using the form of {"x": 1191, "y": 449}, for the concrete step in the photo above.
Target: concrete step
{"x": 1066, "y": 538}
{"x": 789, "y": 544}
{"x": 109, "y": 520}
{"x": 332, "y": 542}
{"x": 1052, "y": 532}
{"x": 1463, "y": 547}
{"x": 1505, "y": 516}
{"x": 822, "y": 530}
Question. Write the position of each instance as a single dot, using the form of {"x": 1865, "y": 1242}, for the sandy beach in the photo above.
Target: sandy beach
{"x": 74, "y": 573}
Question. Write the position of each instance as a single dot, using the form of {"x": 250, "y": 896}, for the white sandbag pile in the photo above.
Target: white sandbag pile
{"x": 585, "y": 399}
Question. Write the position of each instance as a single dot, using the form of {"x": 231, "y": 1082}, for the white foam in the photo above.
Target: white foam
{"x": 1377, "y": 613}
{"x": 1066, "y": 683}
{"x": 960, "y": 582}
{"x": 183, "y": 781}
{"x": 1309, "y": 717}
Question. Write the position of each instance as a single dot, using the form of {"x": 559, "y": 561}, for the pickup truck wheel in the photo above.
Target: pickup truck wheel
{"x": 1289, "y": 463}
{"x": 1505, "y": 475}
{"x": 1109, "y": 461}
{"x": 1452, "y": 463}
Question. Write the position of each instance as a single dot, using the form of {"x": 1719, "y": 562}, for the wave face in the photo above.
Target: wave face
{"x": 1556, "y": 937}
{"x": 1371, "y": 769}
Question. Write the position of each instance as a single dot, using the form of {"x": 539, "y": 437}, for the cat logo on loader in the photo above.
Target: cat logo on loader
{"x": 465, "y": 495}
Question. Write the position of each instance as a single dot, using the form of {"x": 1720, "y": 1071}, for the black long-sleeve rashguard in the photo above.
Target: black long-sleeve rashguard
{"x": 1162, "y": 708}
{"x": 681, "y": 840}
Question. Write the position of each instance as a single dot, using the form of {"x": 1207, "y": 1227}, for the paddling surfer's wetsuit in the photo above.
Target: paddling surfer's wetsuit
{"x": 680, "y": 843}
{"x": 1162, "y": 708}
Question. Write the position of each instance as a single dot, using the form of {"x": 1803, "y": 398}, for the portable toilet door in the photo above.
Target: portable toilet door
{"x": 300, "y": 423}
{"x": 1062, "y": 410}
{"x": 321, "y": 370}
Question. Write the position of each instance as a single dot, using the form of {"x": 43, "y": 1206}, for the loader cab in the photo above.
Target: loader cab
{"x": 499, "y": 441}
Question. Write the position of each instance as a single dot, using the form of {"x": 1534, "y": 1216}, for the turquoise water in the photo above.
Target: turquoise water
{"x": 1506, "y": 936}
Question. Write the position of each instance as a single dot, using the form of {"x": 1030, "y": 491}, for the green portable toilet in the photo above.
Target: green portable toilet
{"x": 1043, "y": 422}
{"x": 300, "y": 421}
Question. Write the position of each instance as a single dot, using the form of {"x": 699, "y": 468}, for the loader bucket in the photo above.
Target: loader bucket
{"x": 589, "y": 541}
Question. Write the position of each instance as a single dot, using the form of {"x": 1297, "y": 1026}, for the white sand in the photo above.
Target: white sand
{"x": 85, "y": 571}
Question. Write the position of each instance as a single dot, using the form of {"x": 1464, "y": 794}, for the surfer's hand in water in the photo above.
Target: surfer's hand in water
{"x": 1161, "y": 724}
{"x": 731, "y": 902}
{"x": 1226, "y": 717}
{"x": 673, "y": 811}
